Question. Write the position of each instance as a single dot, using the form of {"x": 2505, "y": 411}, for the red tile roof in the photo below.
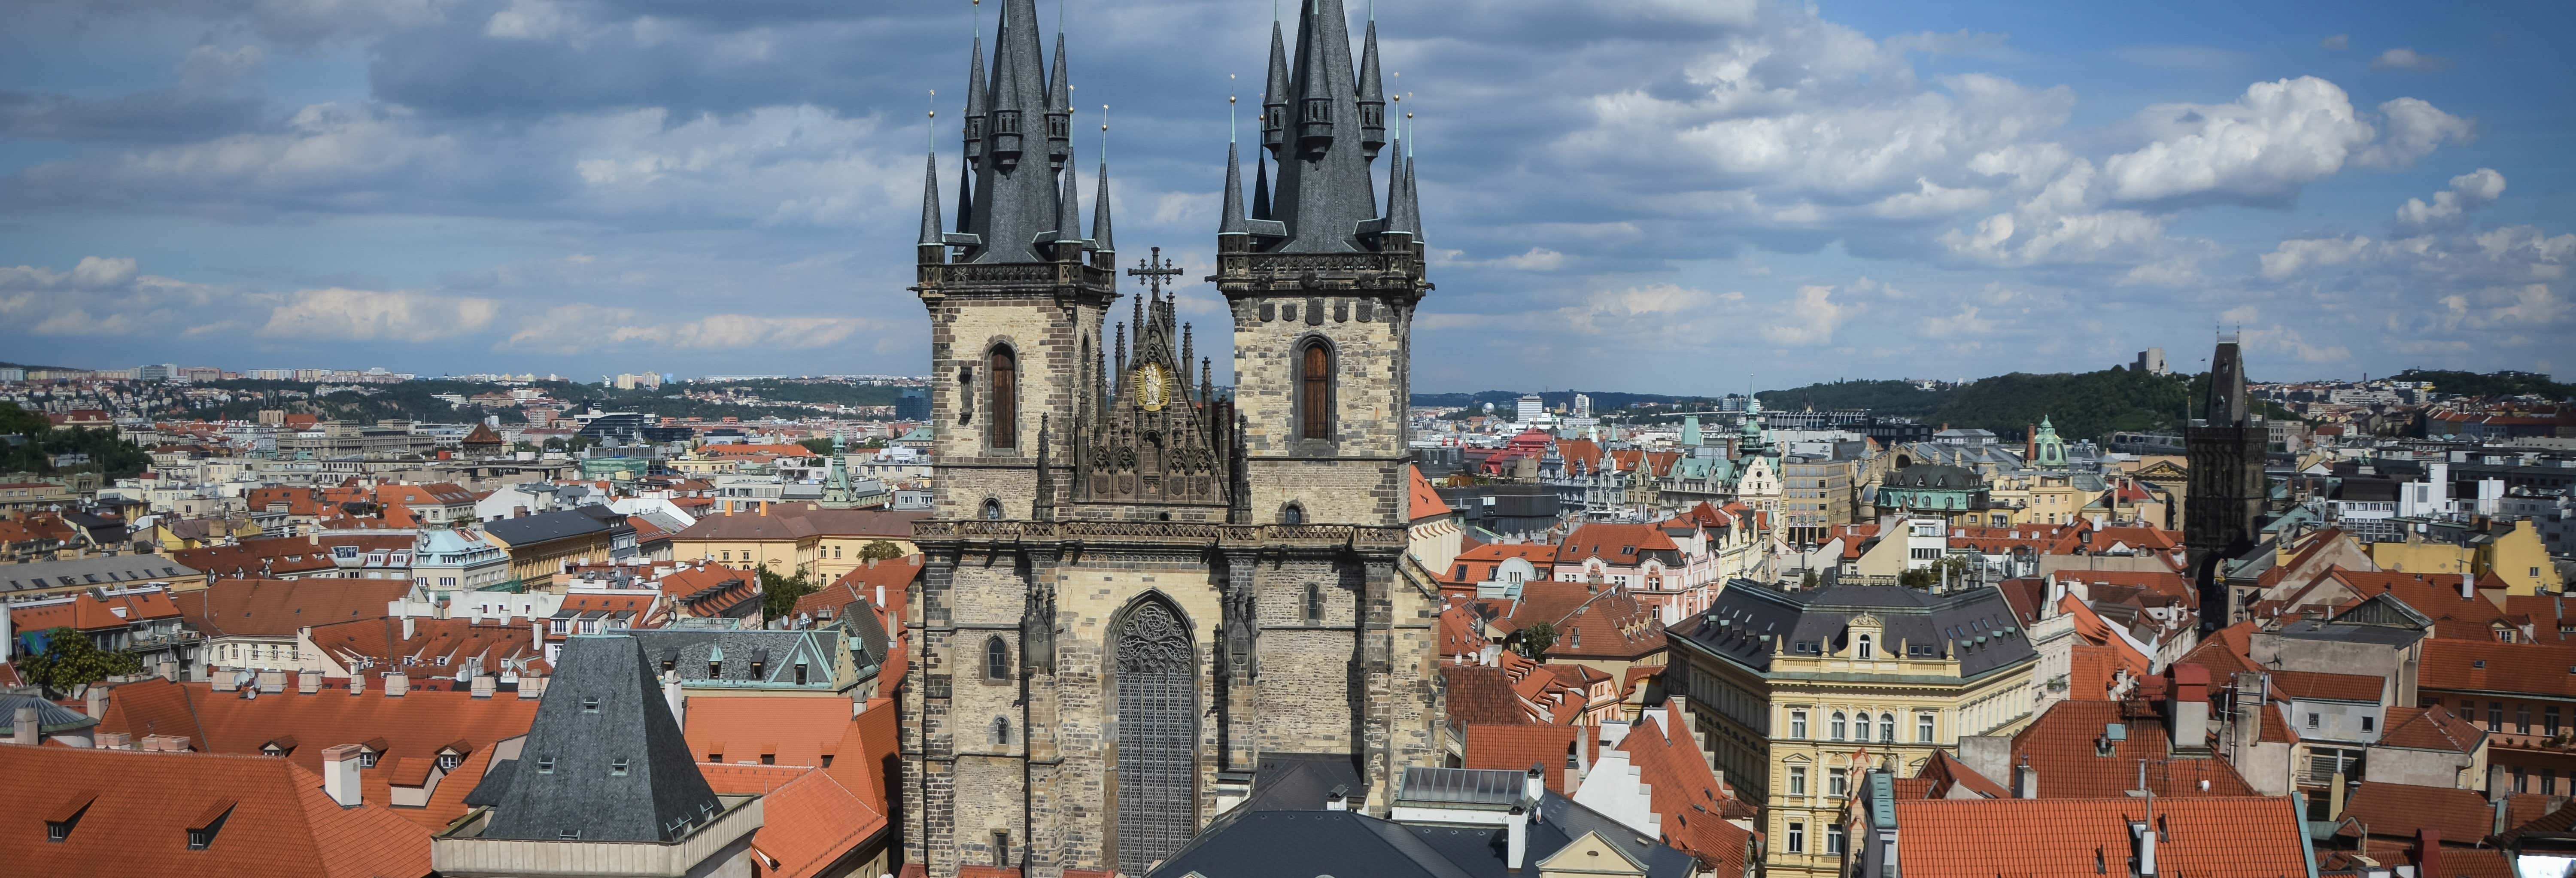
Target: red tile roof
{"x": 85, "y": 612}
{"x": 2063, "y": 746}
{"x": 436, "y": 647}
{"x": 278, "y": 607}
{"x": 1682, "y": 789}
{"x": 1425, "y": 503}
{"x": 2328, "y": 687}
{"x": 2492, "y": 666}
{"x": 2207, "y": 837}
{"x": 276, "y": 819}
{"x": 1477, "y": 563}
{"x": 1616, "y": 544}
{"x": 2430, "y": 728}
{"x": 1517, "y": 747}
{"x": 2388, "y": 809}
{"x": 1479, "y": 694}
{"x": 810, "y": 821}
{"x": 860, "y": 584}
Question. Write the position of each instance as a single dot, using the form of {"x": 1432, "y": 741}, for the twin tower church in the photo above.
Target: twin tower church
{"x": 1140, "y": 594}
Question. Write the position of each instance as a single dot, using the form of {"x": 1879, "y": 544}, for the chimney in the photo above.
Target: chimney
{"x": 165, "y": 743}
{"x": 678, "y": 700}
{"x": 532, "y": 687}
{"x": 115, "y": 741}
{"x": 170, "y": 671}
{"x": 2025, "y": 780}
{"x": 2188, "y": 709}
{"x": 410, "y": 628}
{"x": 1339, "y": 799}
{"x": 308, "y": 682}
{"x": 1534, "y": 785}
{"x": 340, "y": 775}
{"x": 97, "y": 701}
{"x": 2468, "y": 586}
{"x": 2428, "y": 853}
{"x": 881, "y": 596}
{"x": 2143, "y": 836}
{"x": 22, "y": 727}
{"x": 485, "y": 685}
{"x": 397, "y": 683}
{"x": 1516, "y": 849}
{"x": 357, "y": 681}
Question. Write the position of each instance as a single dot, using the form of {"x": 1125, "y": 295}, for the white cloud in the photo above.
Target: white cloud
{"x": 2279, "y": 136}
{"x": 1537, "y": 259}
{"x": 339, "y": 314}
{"x": 2468, "y": 191}
{"x": 1809, "y": 319}
{"x": 2402, "y": 58}
{"x": 94, "y": 272}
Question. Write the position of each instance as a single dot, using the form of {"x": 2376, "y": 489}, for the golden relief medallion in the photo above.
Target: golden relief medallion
{"x": 1154, "y": 387}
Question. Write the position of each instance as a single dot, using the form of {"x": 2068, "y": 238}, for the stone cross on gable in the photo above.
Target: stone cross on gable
{"x": 1154, "y": 270}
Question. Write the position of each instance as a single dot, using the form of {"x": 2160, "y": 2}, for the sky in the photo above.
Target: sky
{"x": 1674, "y": 196}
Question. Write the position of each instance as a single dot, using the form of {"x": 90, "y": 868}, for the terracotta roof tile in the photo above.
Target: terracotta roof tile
{"x": 2063, "y": 747}
{"x": 1683, "y": 790}
{"x": 276, "y": 818}
{"x": 2491, "y": 666}
{"x": 1517, "y": 747}
{"x": 810, "y": 821}
{"x": 278, "y": 607}
{"x": 2328, "y": 687}
{"x": 1479, "y": 694}
{"x": 2388, "y": 809}
{"x": 2209, "y": 837}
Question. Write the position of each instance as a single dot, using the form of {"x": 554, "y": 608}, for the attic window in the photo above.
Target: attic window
{"x": 569, "y": 835}
{"x": 617, "y": 768}
{"x": 590, "y": 705}
{"x": 546, "y": 765}
{"x": 449, "y": 761}
{"x": 367, "y": 758}
{"x": 2480, "y": 663}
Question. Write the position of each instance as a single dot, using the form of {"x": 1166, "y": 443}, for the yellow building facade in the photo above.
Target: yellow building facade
{"x": 2517, "y": 556}
{"x": 1796, "y": 694}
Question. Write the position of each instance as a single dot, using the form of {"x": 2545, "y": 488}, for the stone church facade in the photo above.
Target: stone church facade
{"x": 1138, "y": 588}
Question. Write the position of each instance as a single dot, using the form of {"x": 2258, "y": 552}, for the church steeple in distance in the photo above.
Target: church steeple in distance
{"x": 1018, "y": 132}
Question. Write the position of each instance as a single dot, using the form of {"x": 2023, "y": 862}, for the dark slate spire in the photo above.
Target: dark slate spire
{"x": 1015, "y": 194}
{"x": 1068, "y": 216}
{"x": 604, "y": 757}
{"x": 1260, "y": 185}
{"x": 1412, "y": 198}
{"x": 978, "y": 123}
{"x": 1274, "y": 97}
{"x": 1100, "y": 240}
{"x": 1230, "y": 222}
{"x": 930, "y": 231}
{"x": 1372, "y": 93}
{"x": 1397, "y": 219}
{"x": 1324, "y": 188}
{"x": 1060, "y": 105}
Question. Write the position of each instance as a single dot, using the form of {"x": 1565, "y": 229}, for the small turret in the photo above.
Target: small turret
{"x": 1274, "y": 98}
{"x": 1059, "y": 114}
{"x": 1103, "y": 249}
{"x": 1372, "y": 94}
{"x": 933, "y": 243}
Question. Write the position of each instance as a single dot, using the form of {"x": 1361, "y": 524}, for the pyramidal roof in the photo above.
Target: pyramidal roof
{"x": 604, "y": 760}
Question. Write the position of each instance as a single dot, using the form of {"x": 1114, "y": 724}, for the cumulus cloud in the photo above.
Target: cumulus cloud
{"x": 340, "y": 314}
{"x": 2278, "y": 137}
{"x": 1809, "y": 319}
{"x": 2402, "y": 58}
{"x": 2468, "y": 191}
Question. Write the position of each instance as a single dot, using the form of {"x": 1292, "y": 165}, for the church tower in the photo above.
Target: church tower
{"x": 2223, "y": 517}
{"x": 1137, "y": 592}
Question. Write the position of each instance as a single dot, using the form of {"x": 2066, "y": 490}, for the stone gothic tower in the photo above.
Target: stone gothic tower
{"x": 2223, "y": 517}
{"x": 1136, "y": 592}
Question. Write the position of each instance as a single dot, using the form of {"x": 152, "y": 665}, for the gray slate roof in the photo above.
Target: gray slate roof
{"x": 1954, "y": 623}
{"x": 689, "y": 652}
{"x": 51, "y": 718}
{"x": 604, "y": 707}
{"x": 1302, "y": 781}
{"x": 86, "y": 572}
{"x": 1305, "y": 844}
{"x": 549, "y": 526}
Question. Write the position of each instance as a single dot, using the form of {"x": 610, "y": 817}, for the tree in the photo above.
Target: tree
{"x": 1535, "y": 639}
{"x": 1809, "y": 580}
{"x": 879, "y": 550}
{"x": 70, "y": 660}
{"x": 1923, "y": 578}
{"x": 820, "y": 447}
{"x": 778, "y": 594}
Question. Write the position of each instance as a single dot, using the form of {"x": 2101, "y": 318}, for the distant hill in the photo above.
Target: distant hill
{"x": 30, "y": 366}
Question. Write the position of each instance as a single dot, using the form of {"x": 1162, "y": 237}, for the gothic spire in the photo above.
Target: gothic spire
{"x": 1068, "y": 217}
{"x": 1274, "y": 96}
{"x": 1230, "y": 221}
{"x": 1015, "y": 200}
{"x": 1372, "y": 93}
{"x": 1412, "y": 194}
{"x": 1100, "y": 195}
{"x": 930, "y": 231}
{"x": 1260, "y": 185}
{"x": 1397, "y": 218}
{"x": 1325, "y": 194}
{"x": 1060, "y": 106}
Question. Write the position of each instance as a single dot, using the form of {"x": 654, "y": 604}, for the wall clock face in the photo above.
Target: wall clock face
{"x": 1153, "y": 387}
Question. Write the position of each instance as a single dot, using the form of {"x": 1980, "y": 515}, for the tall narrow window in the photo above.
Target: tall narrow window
{"x": 1887, "y": 728}
{"x": 1839, "y": 725}
{"x": 1314, "y": 602}
{"x": 1001, "y": 731}
{"x": 1006, "y": 386}
{"x": 992, "y": 510}
{"x": 1315, "y": 392}
{"x": 997, "y": 659}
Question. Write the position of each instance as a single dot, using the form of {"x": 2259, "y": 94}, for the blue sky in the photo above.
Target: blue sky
{"x": 1651, "y": 195}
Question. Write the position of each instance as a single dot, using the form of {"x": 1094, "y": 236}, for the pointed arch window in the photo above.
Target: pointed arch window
{"x": 992, "y": 509}
{"x": 1004, "y": 371}
{"x": 1314, "y": 602}
{"x": 997, "y": 659}
{"x": 1001, "y": 731}
{"x": 1315, "y": 390}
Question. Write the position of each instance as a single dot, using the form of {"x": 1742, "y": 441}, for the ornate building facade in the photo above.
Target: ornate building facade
{"x": 1136, "y": 589}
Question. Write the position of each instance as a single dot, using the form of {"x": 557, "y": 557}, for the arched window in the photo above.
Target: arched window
{"x": 1863, "y": 651}
{"x": 1887, "y": 728}
{"x": 966, "y": 394}
{"x": 992, "y": 509}
{"x": 1315, "y": 391}
{"x": 1573, "y": 755}
{"x": 1314, "y": 602}
{"x": 1292, "y": 514}
{"x": 1841, "y": 725}
{"x": 1006, "y": 395}
{"x": 1002, "y": 731}
{"x": 997, "y": 659}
